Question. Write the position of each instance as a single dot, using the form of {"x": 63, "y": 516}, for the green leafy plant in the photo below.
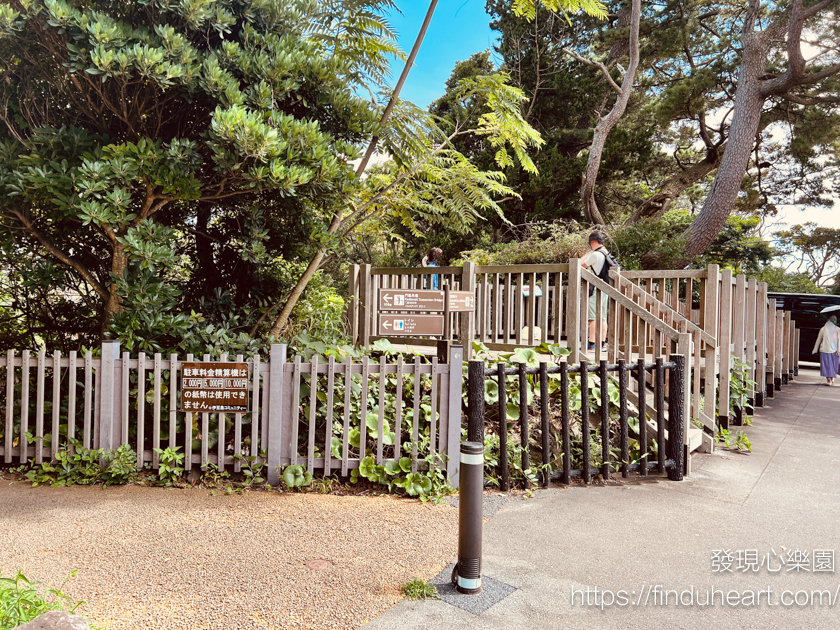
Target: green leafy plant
{"x": 251, "y": 469}
{"x": 82, "y": 466}
{"x": 170, "y": 466}
{"x": 296, "y": 477}
{"x": 740, "y": 441}
{"x": 21, "y": 600}
{"x": 418, "y": 589}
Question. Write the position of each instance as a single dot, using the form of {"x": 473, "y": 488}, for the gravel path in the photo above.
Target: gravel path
{"x": 154, "y": 558}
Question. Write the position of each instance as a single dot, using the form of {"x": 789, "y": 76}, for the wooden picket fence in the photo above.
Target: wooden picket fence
{"x": 113, "y": 399}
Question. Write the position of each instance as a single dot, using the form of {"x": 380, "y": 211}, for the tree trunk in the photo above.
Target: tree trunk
{"x": 749, "y": 101}
{"x": 283, "y": 318}
{"x": 658, "y": 204}
{"x": 605, "y": 124}
{"x": 119, "y": 261}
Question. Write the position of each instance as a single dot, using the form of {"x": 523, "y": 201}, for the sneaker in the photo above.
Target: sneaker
{"x": 604, "y": 346}
{"x": 591, "y": 345}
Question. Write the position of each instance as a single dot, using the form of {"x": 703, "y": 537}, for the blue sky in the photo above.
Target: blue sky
{"x": 458, "y": 29}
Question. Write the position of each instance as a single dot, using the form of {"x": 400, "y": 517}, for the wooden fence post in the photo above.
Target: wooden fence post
{"x": 786, "y": 348}
{"x": 771, "y": 348}
{"x": 453, "y": 442}
{"x": 711, "y": 305}
{"x": 273, "y": 411}
{"x": 109, "y": 397}
{"x": 353, "y": 305}
{"x": 725, "y": 345}
{"x": 573, "y": 310}
{"x": 761, "y": 344}
{"x": 796, "y": 354}
{"x": 468, "y": 283}
{"x": 678, "y": 453}
{"x": 366, "y": 307}
{"x": 751, "y": 337}
{"x": 778, "y": 372}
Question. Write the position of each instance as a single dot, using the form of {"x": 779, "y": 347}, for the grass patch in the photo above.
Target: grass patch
{"x": 21, "y": 600}
{"x": 418, "y": 589}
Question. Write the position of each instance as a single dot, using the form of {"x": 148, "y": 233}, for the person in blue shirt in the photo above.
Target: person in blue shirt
{"x": 434, "y": 259}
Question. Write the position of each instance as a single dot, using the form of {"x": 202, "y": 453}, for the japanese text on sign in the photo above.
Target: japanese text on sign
{"x": 207, "y": 387}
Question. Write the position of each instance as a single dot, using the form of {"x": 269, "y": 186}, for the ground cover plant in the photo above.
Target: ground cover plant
{"x": 22, "y": 600}
{"x": 527, "y": 477}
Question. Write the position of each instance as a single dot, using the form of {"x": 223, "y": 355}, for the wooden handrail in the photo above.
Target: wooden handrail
{"x": 629, "y": 304}
{"x": 650, "y": 299}
{"x": 680, "y": 274}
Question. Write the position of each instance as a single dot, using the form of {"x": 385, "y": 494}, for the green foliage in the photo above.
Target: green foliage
{"x": 528, "y": 8}
{"x": 78, "y": 465}
{"x": 252, "y": 469}
{"x": 740, "y": 383}
{"x": 22, "y": 601}
{"x": 171, "y": 465}
{"x": 542, "y": 243}
{"x": 659, "y": 243}
{"x": 738, "y": 442}
{"x": 428, "y": 483}
{"x": 783, "y": 281}
{"x": 418, "y": 589}
{"x": 296, "y": 477}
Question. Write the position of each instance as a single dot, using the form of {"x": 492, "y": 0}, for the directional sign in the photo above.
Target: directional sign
{"x": 410, "y": 325}
{"x": 413, "y": 300}
{"x": 461, "y": 301}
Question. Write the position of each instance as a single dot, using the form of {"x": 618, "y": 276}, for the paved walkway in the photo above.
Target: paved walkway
{"x": 781, "y": 499}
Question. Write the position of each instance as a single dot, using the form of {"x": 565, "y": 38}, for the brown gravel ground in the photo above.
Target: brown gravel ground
{"x": 156, "y": 558}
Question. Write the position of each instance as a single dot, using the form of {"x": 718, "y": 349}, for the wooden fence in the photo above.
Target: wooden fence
{"x": 707, "y": 315}
{"x": 305, "y": 413}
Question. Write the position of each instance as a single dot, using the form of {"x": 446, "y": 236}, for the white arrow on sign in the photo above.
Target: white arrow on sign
{"x": 386, "y": 325}
{"x": 387, "y": 299}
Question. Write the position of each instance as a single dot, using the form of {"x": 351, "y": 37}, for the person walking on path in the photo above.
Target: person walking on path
{"x": 828, "y": 345}
{"x": 595, "y": 260}
{"x": 434, "y": 259}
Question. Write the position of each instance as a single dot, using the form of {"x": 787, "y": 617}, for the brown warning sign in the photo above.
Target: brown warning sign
{"x": 430, "y": 301}
{"x": 410, "y": 325}
{"x": 207, "y": 387}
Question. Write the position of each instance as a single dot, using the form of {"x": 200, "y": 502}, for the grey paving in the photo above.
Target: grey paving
{"x": 492, "y": 592}
{"x": 649, "y": 538}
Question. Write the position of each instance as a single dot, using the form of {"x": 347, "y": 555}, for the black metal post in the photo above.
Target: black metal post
{"x": 545, "y": 425}
{"x": 622, "y": 418}
{"x": 475, "y": 401}
{"x": 467, "y": 574}
{"x": 605, "y": 420}
{"x": 641, "y": 379}
{"x": 503, "y": 429}
{"x": 660, "y": 414}
{"x": 524, "y": 430}
{"x": 676, "y": 408}
{"x": 564, "y": 413}
{"x": 586, "y": 473}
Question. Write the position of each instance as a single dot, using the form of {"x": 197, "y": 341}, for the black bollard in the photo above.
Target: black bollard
{"x": 467, "y": 574}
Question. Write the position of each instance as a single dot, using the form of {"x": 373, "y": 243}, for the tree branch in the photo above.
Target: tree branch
{"x": 70, "y": 261}
{"x": 595, "y": 64}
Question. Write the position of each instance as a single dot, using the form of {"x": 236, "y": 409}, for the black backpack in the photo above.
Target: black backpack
{"x": 609, "y": 263}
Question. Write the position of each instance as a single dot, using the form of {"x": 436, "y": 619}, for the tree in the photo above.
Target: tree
{"x": 812, "y": 251}
{"x": 122, "y": 124}
{"x": 503, "y": 126}
{"x": 772, "y": 66}
{"x": 606, "y": 123}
